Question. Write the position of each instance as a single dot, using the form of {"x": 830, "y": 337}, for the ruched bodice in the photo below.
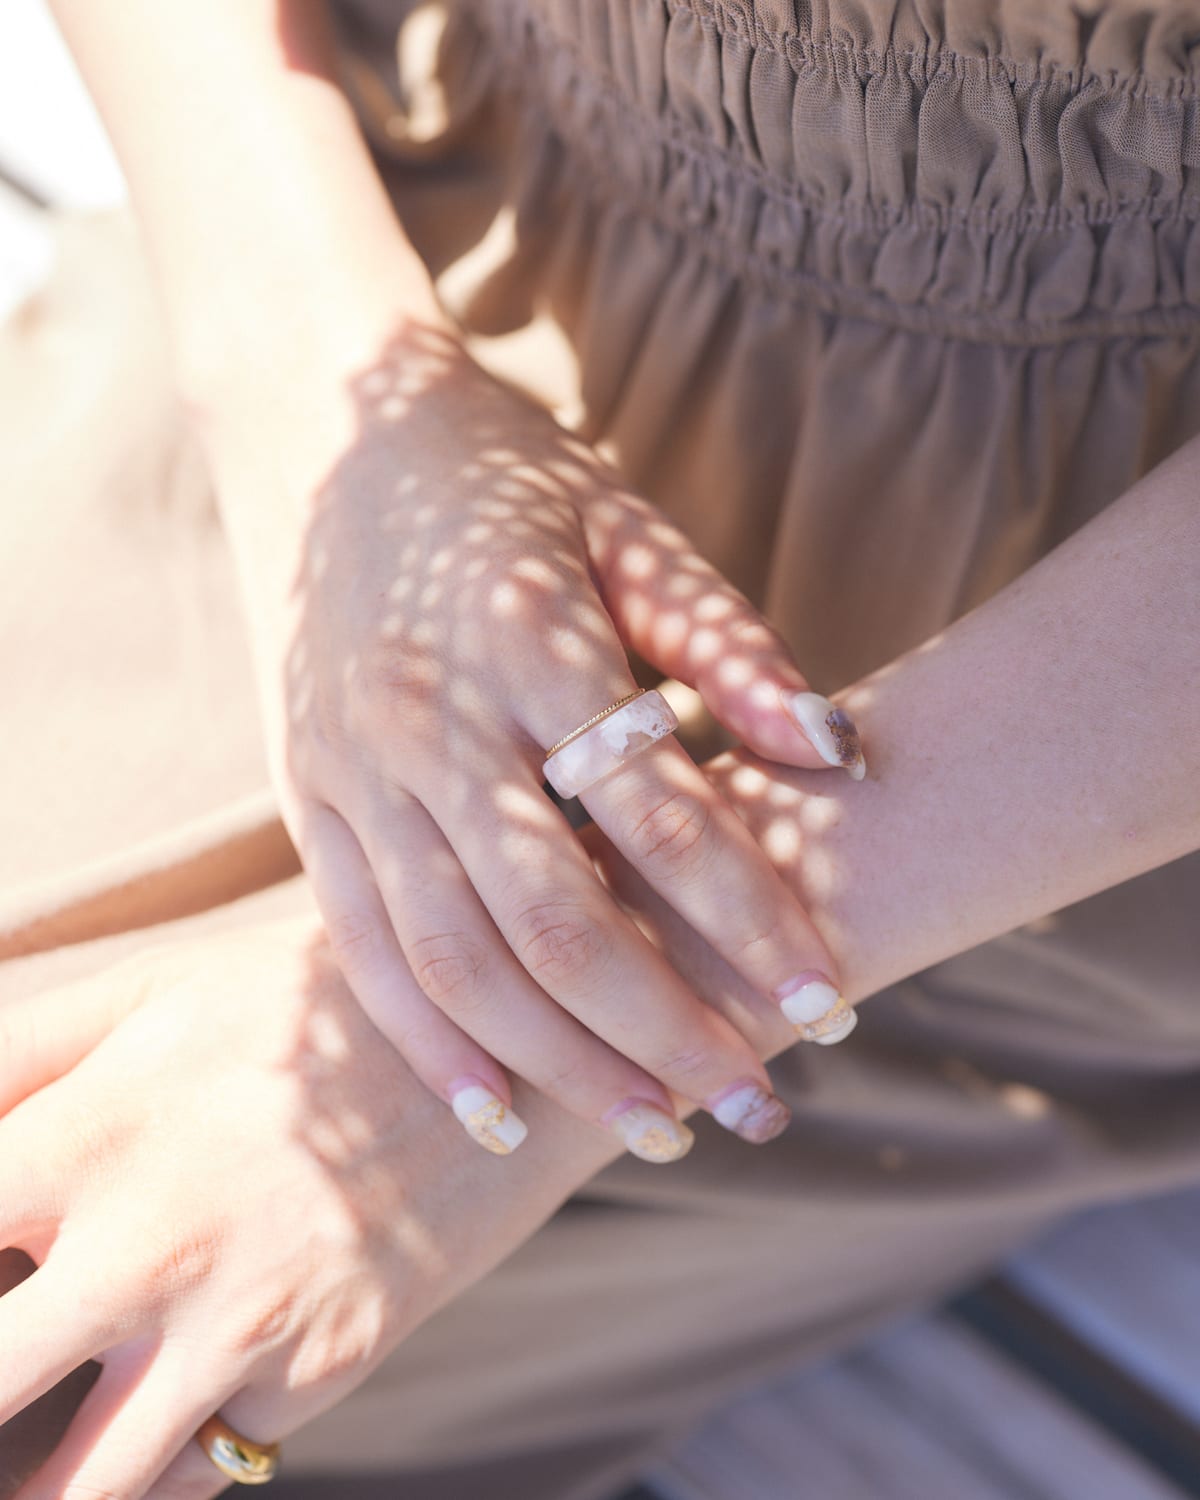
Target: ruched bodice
{"x": 879, "y": 300}
{"x": 1021, "y": 172}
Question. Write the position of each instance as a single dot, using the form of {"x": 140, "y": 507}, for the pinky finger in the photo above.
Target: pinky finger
{"x": 133, "y": 1425}
{"x": 443, "y": 1057}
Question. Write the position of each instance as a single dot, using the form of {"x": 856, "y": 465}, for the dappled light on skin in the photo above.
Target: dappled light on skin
{"x": 454, "y": 613}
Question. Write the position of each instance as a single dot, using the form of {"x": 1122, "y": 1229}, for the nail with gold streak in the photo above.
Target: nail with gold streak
{"x": 495, "y": 1125}
{"x": 829, "y": 730}
{"x": 816, "y": 1010}
{"x": 649, "y": 1132}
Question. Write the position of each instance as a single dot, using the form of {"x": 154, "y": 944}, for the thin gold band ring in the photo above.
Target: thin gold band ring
{"x": 595, "y": 719}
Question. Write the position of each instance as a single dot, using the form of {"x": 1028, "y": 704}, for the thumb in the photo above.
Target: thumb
{"x": 674, "y": 609}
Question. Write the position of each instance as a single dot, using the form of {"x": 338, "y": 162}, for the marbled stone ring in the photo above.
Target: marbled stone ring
{"x": 608, "y": 739}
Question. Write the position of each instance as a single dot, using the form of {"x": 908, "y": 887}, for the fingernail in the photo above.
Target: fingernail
{"x": 817, "y": 1011}
{"x": 649, "y": 1132}
{"x": 486, "y": 1119}
{"x": 830, "y": 730}
{"x": 751, "y": 1112}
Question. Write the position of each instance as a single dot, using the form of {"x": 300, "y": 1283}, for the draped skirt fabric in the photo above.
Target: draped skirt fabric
{"x": 880, "y": 301}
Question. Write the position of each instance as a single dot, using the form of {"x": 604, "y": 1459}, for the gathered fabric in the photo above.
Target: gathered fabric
{"x": 879, "y": 300}
{"x": 830, "y": 282}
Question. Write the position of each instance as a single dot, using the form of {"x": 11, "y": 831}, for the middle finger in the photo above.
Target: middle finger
{"x": 660, "y": 811}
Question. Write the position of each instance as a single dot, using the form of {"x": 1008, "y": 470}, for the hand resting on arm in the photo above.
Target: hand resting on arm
{"x": 974, "y": 825}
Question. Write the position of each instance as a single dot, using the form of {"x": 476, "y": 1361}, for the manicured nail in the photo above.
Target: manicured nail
{"x": 829, "y": 729}
{"x": 749, "y": 1111}
{"x": 817, "y": 1011}
{"x": 486, "y": 1119}
{"x": 649, "y": 1132}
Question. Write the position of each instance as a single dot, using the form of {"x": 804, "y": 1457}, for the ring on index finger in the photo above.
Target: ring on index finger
{"x": 608, "y": 739}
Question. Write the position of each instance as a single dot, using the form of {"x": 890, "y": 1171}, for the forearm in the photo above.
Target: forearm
{"x": 1042, "y": 749}
{"x": 268, "y": 229}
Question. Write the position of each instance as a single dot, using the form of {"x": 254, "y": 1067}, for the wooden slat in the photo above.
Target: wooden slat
{"x": 930, "y": 1412}
{"x": 1126, "y": 1281}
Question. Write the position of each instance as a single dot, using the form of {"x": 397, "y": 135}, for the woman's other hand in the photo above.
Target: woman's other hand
{"x": 236, "y": 1199}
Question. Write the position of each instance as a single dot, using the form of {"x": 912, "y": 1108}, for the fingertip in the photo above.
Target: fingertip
{"x": 487, "y": 1118}
{"x": 829, "y": 729}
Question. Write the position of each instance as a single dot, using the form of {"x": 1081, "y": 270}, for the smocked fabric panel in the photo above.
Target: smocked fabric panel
{"x": 894, "y": 162}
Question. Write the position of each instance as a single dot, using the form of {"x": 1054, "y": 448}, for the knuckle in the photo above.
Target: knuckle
{"x": 449, "y": 968}
{"x": 259, "y": 1330}
{"x": 758, "y": 944}
{"x": 565, "y": 1078}
{"x": 682, "y": 1065}
{"x": 558, "y": 942}
{"x": 357, "y": 940}
{"x": 399, "y": 679}
{"x": 181, "y": 1260}
{"x": 670, "y": 837}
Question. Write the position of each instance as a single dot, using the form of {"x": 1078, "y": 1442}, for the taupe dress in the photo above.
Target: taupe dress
{"x": 880, "y": 299}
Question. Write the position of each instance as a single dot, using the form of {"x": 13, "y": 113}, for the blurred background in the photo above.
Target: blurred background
{"x": 1074, "y": 1374}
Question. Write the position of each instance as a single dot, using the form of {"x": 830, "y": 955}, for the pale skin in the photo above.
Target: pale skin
{"x": 439, "y": 583}
{"x": 893, "y": 878}
{"x": 1041, "y": 750}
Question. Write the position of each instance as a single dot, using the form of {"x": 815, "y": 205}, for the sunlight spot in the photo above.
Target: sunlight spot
{"x": 781, "y": 841}
{"x": 736, "y": 672}
{"x": 328, "y": 1036}
{"x": 713, "y": 607}
{"x": 637, "y": 561}
{"x": 478, "y": 533}
{"x": 497, "y": 510}
{"x": 681, "y": 585}
{"x": 672, "y": 631}
{"x": 1026, "y": 1102}
{"x": 505, "y": 599}
{"x": 704, "y": 645}
{"x": 748, "y": 781}
{"x": 535, "y": 570}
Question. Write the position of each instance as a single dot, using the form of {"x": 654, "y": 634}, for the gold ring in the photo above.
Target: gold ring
{"x": 595, "y": 719}
{"x": 237, "y": 1457}
{"x": 607, "y": 740}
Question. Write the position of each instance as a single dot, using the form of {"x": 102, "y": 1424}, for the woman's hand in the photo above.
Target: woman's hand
{"x": 453, "y": 595}
{"x": 236, "y": 1200}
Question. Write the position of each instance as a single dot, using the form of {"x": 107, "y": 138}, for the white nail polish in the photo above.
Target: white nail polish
{"x": 488, "y": 1120}
{"x": 818, "y": 1012}
{"x": 650, "y": 1133}
{"x": 750, "y": 1111}
{"x": 830, "y": 730}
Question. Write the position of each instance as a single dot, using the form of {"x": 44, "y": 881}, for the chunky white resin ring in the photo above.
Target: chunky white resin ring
{"x": 623, "y": 730}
